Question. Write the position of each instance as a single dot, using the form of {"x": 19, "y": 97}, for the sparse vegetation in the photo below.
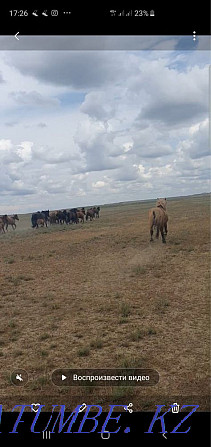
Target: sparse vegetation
{"x": 136, "y": 335}
{"x": 96, "y": 344}
{"x": 125, "y": 310}
{"x": 84, "y": 352}
{"x": 138, "y": 270}
{"x": 98, "y": 296}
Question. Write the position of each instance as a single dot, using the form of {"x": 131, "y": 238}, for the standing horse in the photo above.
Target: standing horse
{"x": 46, "y": 216}
{"x": 158, "y": 219}
{"x": 90, "y": 214}
{"x": 72, "y": 216}
{"x": 52, "y": 217}
{"x": 3, "y": 221}
{"x": 40, "y": 222}
{"x": 10, "y": 220}
{"x": 2, "y": 226}
{"x": 97, "y": 211}
{"x": 81, "y": 215}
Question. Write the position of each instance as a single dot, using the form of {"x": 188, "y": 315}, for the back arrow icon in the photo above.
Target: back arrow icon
{"x": 16, "y": 35}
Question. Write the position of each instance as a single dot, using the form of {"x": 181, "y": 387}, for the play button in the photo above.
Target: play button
{"x": 60, "y": 377}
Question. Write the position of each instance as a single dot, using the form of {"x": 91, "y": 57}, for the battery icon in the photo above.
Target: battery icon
{"x": 152, "y": 13}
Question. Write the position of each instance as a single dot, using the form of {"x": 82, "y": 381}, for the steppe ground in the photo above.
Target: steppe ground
{"x": 100, "y": 295}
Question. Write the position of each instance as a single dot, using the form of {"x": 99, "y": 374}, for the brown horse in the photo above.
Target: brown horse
{"x": 40, "y": 222}
{"x": 90, "y": 214}
{"x": 10, "y": 220}
{"x": 3, "y": 220}
{"x": 2, "y": 227}
{"x": 80, "y": 215}
{"x": 158, "y": 219}
{"x": 53, "y": 217}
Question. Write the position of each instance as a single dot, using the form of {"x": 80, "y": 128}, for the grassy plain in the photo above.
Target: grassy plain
{"x": 100, "y": 295}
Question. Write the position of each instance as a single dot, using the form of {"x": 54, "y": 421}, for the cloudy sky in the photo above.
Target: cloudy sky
{"x": 81, "y": 128}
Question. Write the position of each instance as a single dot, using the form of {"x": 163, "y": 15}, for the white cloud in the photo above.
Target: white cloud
{"x": 99, "y": 184}
{"x": 24, "y": 150}
{"x": 34, "y": 99}
{"x": 97, "y": 127}
{"x": 5, "y": 145}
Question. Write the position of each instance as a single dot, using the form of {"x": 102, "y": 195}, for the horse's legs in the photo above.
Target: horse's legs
{"x": 151, "y": 234}
{"x": 162, "y": 234}
{"x": 165, "y": 227}
{"x": 157, "y": 233}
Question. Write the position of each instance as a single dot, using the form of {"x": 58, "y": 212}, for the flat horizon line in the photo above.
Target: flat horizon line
{"x": 127, "y": 201}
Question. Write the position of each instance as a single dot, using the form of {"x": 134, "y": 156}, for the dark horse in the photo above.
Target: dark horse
{"x": 97, "y": 211}
{"x": 44, "y": 215}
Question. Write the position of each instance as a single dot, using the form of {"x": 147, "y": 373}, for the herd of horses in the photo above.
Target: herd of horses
{"x": 158, "y": 218}
{"x": 74, "y": 215}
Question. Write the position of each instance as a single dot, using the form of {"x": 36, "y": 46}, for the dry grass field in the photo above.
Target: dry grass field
{"x": 100, "y": 295}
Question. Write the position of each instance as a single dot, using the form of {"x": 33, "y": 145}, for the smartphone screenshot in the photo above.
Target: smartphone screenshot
{"x": 105, "y": 223}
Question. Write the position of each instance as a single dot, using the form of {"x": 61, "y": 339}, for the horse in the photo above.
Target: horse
{"x": 52, "y": 217}
{"x": 97, "y": 211}
{"x": 3, "y": 220}
{"x": 2, "y": 227}
{"x": 47, "y": 217}
{"x": 80, "y": 214}
{"x": 40, "y": 222}
{"x": 90, "y": 214}
{"x": 61, "y": 216}
{"x": 10, "y": 220}
{"x": 72, "y": 216}
{"x": 158, "y": 219}
{"x": 38, "y": 216}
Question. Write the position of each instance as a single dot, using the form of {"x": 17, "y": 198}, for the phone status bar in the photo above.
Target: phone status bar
{"x": 91, "y": 20}
{"x": 57, "y": 12}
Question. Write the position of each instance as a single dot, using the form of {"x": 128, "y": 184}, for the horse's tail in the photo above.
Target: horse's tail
{"x": 154, "y": 218}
